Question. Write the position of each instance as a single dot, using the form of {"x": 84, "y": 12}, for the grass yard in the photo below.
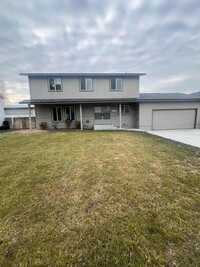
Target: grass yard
{"x": 98, "y": 199}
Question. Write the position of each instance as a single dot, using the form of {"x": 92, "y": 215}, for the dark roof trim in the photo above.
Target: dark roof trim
{"x": 163, "y": 97}
{"x": 104, "y": 100}
{"x": 170, "y": 100}
{"x": 78, "y": 101}
{"x": 169, "y": 96}
{"x": 78, "y": 75}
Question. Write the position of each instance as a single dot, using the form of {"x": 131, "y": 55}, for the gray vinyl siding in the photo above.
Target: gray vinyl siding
{"x": 39, "y": 89}
{"x": 146, "y": 111}
{"x": 44, "y": 114}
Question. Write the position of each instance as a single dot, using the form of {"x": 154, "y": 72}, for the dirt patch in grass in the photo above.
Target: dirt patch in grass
{"x": 98, "y": 199}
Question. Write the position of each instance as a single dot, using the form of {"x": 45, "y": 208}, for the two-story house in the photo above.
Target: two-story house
{"x": 107, "y": 101}
{"x": 96, "y": 100}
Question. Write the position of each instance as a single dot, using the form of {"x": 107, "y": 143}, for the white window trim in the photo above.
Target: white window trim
{"x": 101, "y": 107}
{"x": 86, "y": 89}
{"x": 70, "y": 112}
{"x": 54, "y": 84}
{"x": 121, "y": 89}
{"x": 57, "y": 113}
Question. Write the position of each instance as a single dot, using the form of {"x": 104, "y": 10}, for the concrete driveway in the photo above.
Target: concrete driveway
{"x": 188, "y": 137}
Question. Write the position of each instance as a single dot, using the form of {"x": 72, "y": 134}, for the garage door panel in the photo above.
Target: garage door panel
{"x": 174, "y": 119}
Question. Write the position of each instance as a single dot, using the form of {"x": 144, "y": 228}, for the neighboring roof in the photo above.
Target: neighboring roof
{"x": 148, "y": 97}
{"x": 79, "y": 101}
{"x": 77, "y": 75}
{"x": 196, "y": 94}
{"x": 19, "y": 106}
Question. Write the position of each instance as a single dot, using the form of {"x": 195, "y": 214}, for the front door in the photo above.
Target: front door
{"x": 102, "y": 115}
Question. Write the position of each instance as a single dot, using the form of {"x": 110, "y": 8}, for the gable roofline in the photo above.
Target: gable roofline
{"x": 83, "y": 74}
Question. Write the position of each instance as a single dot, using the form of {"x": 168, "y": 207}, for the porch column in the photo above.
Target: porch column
{"x": 120, "y": 116}
{"x": 81, "y": 117}
{"x": 29, "y": 112}
{"x": 12, "y": 122}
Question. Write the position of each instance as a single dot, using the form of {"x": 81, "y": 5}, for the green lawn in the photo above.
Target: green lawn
{"x": 98, "y": 199}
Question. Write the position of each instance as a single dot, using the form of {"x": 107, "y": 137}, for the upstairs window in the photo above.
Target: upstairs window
{"x": 86, "y": 84}
{"x": 116, "y": 83}
{"x": 55, "y": 84}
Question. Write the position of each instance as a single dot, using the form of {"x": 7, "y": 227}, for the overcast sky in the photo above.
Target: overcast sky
{"x": 161, "y": 38}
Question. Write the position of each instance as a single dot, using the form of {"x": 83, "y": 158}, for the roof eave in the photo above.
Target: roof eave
{"x": 78, "y": 101}
{"x": 100, "y": 75}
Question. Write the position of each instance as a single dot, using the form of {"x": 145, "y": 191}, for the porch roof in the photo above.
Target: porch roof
{"x": 79, "y": 101}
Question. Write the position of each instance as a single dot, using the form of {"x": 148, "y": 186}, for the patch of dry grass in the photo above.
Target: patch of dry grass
{"x": 98, "y": 199}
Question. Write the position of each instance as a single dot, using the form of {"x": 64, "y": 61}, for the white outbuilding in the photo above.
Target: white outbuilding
{"x": 2, "y": 115}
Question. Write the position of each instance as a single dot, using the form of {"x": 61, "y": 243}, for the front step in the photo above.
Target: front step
{"x": 99, "y": 127}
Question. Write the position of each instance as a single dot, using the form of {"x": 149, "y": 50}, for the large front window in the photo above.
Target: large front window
{"x": 70, "y": 113}
{"x": 102, "y": 113}
{"x": 57, "y": 114}
{"x": 116, "y": 83}
{"x": 86, "y": 84}
{"x": 55, "y": 84}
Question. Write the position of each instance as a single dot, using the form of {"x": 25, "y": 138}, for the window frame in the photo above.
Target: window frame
{"x": 102, "y": 113}
{"x": 57, "y": 113}
{"x": 123, "y": 109}
{"x": 86, "y": 89}
{"x": 70, "y": 112}
{"x": 115, "y": 89}
{"x": 54, "y": 78}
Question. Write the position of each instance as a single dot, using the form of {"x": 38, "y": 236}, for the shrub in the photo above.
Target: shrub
{"x": 43, "y": 125}
{"x": 55, "y": 126}
{"x": 68, "y": 123}
{"x": 77, "y": 124}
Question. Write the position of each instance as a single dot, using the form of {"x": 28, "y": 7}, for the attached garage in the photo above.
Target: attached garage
{"x": 168, "y": 114}
{"x": 173, "y": 119}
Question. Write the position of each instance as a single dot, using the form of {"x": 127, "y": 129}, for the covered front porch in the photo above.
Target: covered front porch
{"x": 115, "y": 116}
{"x": 104, "y": 115}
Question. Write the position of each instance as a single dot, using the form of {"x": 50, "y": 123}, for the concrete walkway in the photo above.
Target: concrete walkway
{"x": 188, "y": 137}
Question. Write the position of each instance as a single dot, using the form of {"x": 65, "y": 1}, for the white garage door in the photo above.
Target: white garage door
{"x": 174, "y": 119}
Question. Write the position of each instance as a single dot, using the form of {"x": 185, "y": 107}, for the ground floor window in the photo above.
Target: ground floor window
{"x": 102, "y": 113}
{"x": 126, "y": 109}
{"x": 57, "y": 114}
{"x": 70, "y": 113}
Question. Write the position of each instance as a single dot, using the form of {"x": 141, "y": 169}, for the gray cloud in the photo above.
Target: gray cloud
{"x": 158, "y": 37}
